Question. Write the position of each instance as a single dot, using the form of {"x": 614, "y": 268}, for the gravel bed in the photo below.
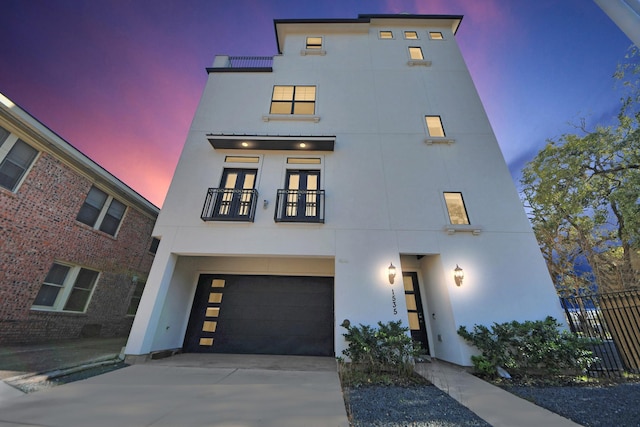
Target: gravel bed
{"x": 427, "y": 406}
{"x": 616, "y": 405}
{"x": 423, "y": 406}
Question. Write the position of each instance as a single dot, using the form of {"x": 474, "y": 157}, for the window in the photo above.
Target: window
{"x": 135, "y": 299}
{"x": 411, "y": 35}
{"x": 434, "y": 126}
{"x": 456, "y": 209}
{"x": 241, "y": 159}
{"x": 301, "y": 200}
{"x": 235, "y": 199}
{"x": 386, "y": 34}
{"x": 314, "y": 43}
{"x": 435, "y": 35}
{"x": 303, "y": 160}
{"x": 155, "y": 242}
{"x": 66, "y": 288}
{"x": 293, "y": 100}
{"x": 4, "y": 134}
{"x": 415, "y": 53}
{"x": 16, "y": 157}
{"x": 101, "y": 211}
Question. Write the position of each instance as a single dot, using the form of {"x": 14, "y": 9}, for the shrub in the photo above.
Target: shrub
{"x": 531, "y": 347}
{"x": 387, "y": 348}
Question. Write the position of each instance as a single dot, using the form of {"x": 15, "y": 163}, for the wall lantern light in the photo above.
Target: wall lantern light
{"x": 392, "y": 273}
{"x": 458, "y": 275}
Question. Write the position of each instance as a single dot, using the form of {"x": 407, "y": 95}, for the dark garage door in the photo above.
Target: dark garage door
{"x": 262, "y": 315}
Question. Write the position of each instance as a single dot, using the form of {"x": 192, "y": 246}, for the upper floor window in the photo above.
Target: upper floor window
{"x": 301, "y": 200}
{"x": 415, "y": 53}
{"x": 101, "y": 211}
{"x": 434, "y": 126}
{"x": 456, "y": 209}
{"x": 314, "y": 43}
{"x": 235, "y": 199}
{"x": 293, "y": 100}
{"x": 386, "y": 34}
{"x": 435, "y": 35}
{"x": 16, "y": 157}
{"x": 66, "y": 288}
{"x": 411, "y": 35}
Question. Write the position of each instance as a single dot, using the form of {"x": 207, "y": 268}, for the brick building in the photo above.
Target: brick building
{"x": 75, "y": 242}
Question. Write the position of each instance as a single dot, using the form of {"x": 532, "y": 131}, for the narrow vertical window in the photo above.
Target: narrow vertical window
{"x": 434, "y": 126}
{"x": 456, "y": 209}
{"x": 155, "y": 242}
{"x": 415, "y": 53}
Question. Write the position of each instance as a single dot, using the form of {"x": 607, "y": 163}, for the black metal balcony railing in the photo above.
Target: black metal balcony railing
{"x": 250, "y": 62}
{"x": 229, "y": 204}
{"x": 300, "y": 206}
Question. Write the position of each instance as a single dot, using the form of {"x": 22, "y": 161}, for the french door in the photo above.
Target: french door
{"x": 302, "y": 189}
{"x": 235, "y": 195}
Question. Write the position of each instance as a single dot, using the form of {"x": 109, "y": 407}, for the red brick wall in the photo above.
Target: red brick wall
{"x": 38, "y": 227}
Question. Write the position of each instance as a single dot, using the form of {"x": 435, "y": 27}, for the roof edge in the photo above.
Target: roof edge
{"x": 361, "y": 19}
{"x": 28, "y": 121}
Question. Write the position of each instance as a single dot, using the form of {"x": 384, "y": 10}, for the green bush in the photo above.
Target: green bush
{"x": 531, "y": 347}
{"x": 385, "y": 348}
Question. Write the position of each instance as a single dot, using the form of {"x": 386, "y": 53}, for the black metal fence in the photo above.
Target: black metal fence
{"x": 614, "y": 320}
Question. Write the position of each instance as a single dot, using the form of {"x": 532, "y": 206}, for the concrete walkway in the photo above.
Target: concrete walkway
{"x": 192, "y": 390}
{"x": 219, "y": 390}
{"x": 494, "y": 405}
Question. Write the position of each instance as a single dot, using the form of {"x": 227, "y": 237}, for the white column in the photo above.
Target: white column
{"x": 152, "y": 303}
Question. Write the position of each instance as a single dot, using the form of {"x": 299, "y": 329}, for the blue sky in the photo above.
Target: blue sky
{"x": 121, "y": 79}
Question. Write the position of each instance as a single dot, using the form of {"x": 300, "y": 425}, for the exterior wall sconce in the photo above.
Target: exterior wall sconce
{"x": 392, "y": 273}
{"x": 458, "y": 275}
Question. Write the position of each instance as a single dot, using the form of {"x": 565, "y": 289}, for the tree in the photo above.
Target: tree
{"x": 583, "y": 195}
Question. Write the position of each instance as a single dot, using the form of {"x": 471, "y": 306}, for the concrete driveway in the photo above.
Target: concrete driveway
{"x": 193, "y": 390}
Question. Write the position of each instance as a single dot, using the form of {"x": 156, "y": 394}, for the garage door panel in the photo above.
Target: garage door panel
{"x": 264, "y": 315}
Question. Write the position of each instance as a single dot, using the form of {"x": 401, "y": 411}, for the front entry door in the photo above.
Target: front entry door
{"x": 414, "y": 310}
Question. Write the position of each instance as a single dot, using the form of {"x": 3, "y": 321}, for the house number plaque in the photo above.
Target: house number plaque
{"x": 393, "y": 302}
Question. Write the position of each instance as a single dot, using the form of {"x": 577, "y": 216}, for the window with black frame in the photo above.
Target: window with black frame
{"x": 302, "y": 200}
{"x": 235, "y": 199}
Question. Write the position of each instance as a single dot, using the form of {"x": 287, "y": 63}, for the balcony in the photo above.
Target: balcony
{"x": 300, "y": 206}
{"x": 229, "y": 204}
{"x": 226, "y": 64}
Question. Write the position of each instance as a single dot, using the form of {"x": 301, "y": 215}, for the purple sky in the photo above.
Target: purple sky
{"x": 120, "y": 79}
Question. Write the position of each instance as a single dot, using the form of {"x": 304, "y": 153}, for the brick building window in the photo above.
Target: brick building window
{"x": 101, "y": 211}
{"x": 155, "y": 242}
{"x": 66, "y": 288}
{"x": 135, "y": 299}
{"x": 16, "y": 157}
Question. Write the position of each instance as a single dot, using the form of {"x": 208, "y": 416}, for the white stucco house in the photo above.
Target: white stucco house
{"x": 362, "y": 144}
